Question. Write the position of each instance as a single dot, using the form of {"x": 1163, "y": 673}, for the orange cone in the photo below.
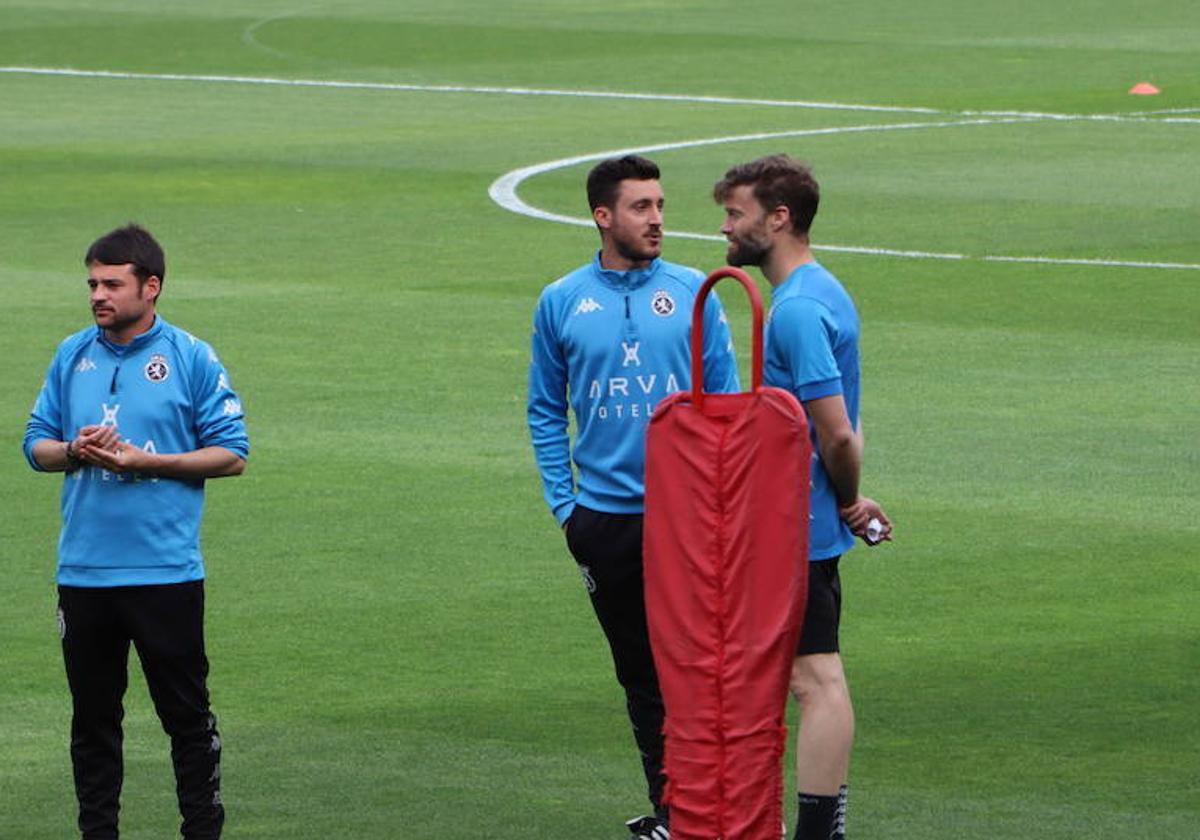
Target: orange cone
{"x": 1144, "y": 89}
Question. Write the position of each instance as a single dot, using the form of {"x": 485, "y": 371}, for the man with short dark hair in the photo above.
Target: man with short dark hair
{"x": 811, "y": 349}
{"x": 610, "y": 340}
{"x": 138, "y": 414}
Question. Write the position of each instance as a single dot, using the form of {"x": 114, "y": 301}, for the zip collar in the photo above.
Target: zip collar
{"x": 625, "y": 281}
{"x": 138, "y": 342}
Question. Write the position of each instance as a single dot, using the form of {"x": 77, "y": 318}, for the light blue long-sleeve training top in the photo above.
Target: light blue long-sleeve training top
{"x": 611, "y": 345}
{"x": 166, "y": 391}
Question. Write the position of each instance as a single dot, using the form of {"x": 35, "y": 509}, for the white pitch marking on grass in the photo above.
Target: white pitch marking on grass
{"x": 507, "y": 184}
{"x": 250, "y": 33}
{"x": 840, "y": 249}
{"x": 503, "y": 191}
{"x": 486, "y": 89}
{"x": 1139, "y": 117}
{"x": 1096, "y": 262}
{"x": 1166, "y": 111}
{"x": 249, "y": 37}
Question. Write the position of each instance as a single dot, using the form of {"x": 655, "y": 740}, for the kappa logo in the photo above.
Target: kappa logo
{"x": 222, "y": 382}
{"x": 85, "y": 364}
{"x": 231, "y": 407}
{"x": 663, "y": 304}
{"x": 157, "y": 369}
{"x": 587, "y": 305}
{"x": 631, "y": 354}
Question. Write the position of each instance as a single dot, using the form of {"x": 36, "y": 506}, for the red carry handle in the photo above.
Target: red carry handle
{"x": 756, "y": 333}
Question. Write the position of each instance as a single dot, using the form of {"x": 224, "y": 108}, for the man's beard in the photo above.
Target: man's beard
{"x": 746, "y": 252}
{"x": 636, "y": 250}
{"x": 117, "y": 320}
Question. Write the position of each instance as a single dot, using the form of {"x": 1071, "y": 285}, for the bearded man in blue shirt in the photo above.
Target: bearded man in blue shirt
{"x": 610, "y": 340}
{"x": 811, "y": 349}
{"x": 138, "y": 414}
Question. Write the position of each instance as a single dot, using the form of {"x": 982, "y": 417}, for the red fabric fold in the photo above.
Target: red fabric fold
{"x": 726, "y": 548}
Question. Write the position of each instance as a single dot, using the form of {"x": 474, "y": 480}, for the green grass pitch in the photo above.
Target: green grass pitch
{"x": 401, "y": 646}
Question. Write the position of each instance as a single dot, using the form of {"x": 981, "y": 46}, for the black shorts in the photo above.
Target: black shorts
{"x": 824, "y": 610}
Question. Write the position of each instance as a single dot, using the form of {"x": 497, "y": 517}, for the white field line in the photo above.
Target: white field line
{"x": 250, "y": 34}
{"x": 838, "y": 249}
{"x": 503, "y": 190}
{"x": 485, "y": 89}
{"x": 1097, "y": 262}
{"x": 251, "y": 40}
{"x": 1166, "y": 111}
{"x": 1141, "y": 117}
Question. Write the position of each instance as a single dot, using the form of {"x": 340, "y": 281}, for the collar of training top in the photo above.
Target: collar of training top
{"x": 626, "y": 280}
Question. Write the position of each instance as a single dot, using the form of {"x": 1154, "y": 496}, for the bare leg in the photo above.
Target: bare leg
{"x": 826, "y": 731}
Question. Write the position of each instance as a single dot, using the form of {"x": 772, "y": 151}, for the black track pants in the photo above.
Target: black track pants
{"x": 166, "y": 626}
{"x": 608, "y": 549}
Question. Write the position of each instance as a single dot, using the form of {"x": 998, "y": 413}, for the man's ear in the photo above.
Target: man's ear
{"x": 602, "y": 216}
{"x": 152, "y": 287}
{"x": 780, "y": 218}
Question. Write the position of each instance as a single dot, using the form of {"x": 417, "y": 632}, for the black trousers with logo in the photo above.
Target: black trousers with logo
{"x": 608, "y": 549}
{"x": 166, "y": 626}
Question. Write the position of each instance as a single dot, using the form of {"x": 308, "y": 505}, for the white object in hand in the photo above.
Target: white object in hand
{"x": 875, "y": 532}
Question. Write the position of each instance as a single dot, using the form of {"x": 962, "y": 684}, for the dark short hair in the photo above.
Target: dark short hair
{"x": 130, "y": 244}
{"x": 605, "y": 179}
{"x": 777, "y": 179}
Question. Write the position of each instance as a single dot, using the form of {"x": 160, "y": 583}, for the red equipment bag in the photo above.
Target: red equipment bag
{"x": 726, "y": 580}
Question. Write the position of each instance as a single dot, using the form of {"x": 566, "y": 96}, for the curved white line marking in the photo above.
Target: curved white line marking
{"x": 250, "y": 34}
{"x": 503, "y": 191}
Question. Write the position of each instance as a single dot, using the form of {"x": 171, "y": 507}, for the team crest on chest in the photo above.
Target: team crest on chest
{"x": 662, "y": 303}
{"x": 157, "y": 368}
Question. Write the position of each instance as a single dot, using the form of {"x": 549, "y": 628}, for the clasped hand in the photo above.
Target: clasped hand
{"x": 102, "y": 446}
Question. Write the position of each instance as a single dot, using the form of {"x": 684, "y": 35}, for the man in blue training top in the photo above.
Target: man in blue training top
{"x": 610, "y": 340}
{"x": 811, "y": 349}
{"x": 137, "y": 413}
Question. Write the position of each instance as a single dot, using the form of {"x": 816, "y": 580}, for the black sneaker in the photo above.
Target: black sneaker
{"x": 648, "y": 828}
